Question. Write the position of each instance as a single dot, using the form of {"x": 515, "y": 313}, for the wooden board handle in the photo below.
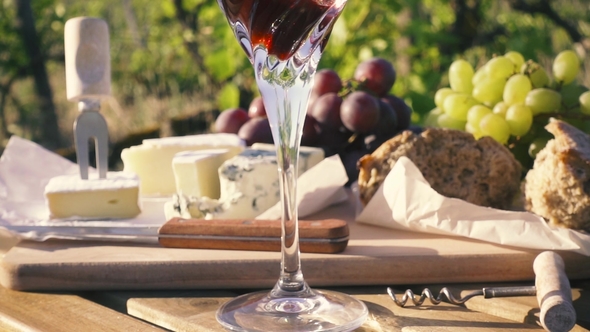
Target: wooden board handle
{"x": 553, "y": 293}
{"x": 316, "y": 236}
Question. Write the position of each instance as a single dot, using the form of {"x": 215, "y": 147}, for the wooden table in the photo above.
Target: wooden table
{"x": 108, "y": 292}
{"x": 126, "y": 287}
{"x": 194, "y": 310}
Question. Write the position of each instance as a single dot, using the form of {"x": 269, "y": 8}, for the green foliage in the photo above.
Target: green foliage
{"x": 15, "y": 65}
{"x": 11, "y": 52}
{"x": 422, "y": 39}
{"x": 162, "y": 62}
{"x": 228, "y": 97}
{"x": 169, "y": 53}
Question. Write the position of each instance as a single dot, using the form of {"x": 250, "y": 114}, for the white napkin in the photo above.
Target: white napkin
{"x": 406, "y": 201}
{"x": 26, "y": 168}
{"x": 318, "y": 188}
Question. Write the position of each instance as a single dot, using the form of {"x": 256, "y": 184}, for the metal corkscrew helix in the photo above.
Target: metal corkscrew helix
{"x": 552, "y": 288}
{"x": 485, "y": 292}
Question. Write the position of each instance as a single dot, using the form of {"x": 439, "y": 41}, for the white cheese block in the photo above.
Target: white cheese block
{"x": 116, "y": 197}
{"x": 249, "y": 185}
{"x": 195, "y": 172}
{"x": 152, "y": 160}
{"x": 308, "y": 156}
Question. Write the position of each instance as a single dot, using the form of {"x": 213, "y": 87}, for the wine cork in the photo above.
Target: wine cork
{"x": 88, "y": 61}
{"x": 553, "y": 293}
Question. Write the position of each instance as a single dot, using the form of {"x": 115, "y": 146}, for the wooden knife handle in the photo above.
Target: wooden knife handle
{"x": 316, "y": 236}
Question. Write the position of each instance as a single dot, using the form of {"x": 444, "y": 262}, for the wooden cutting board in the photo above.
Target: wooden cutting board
{"x": 374, "y": 256}
{"x": 194, "y": 311}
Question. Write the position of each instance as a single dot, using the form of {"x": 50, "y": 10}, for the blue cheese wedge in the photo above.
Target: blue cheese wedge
{"x": 195, "y": 172}
{"x": 116, "y": 197}
{"x": 152, "y": 160}
{"x": 249, "y": 186}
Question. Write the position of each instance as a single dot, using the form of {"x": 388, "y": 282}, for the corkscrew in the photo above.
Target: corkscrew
{"x": 487, "y": 292}
{"x": 552, "y": 289}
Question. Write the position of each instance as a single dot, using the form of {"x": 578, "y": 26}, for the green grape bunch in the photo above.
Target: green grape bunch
{"x": 511, "y": 99}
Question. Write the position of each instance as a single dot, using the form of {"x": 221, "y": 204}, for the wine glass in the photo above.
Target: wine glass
{"x": 284, "y": 40}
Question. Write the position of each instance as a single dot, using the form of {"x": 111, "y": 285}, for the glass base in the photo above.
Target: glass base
{"x": 319, "y": 310}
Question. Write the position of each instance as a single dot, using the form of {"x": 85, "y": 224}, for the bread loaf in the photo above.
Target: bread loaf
{"x": 558, "y": 186}
{"x": 455, "y": 164}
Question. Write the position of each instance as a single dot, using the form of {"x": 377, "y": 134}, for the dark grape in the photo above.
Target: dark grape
{"x": 326, "y": 110}
{"x": 331, "y": 138}
{"x": 359, "y": 112}
{"x": 387, "y": 125}
{"x": 416, "y": 129}
{"x": 256, "y": 130}
{"x": 310, "y": 134}
{"x": 372, "y": 142}
{"x": 231, "y": 120}
{"x": 377, "y": 74}
{"x": 403, "y": 111}
{"x": 257, "y": 109}
{"x": 325, "y": 81}
{"x": 350, "y": 161}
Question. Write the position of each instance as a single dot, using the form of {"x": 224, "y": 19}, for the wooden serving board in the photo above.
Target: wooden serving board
{"x": 195, "y": 311}
{"x": 374, "y": 256}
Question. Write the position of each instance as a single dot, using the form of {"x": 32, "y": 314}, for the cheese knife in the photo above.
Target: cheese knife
{"x": 316, "y": 236}
{"x": 88, "y": 80}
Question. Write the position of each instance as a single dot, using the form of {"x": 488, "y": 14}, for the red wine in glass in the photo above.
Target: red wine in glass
{"x": 284, "y": 40}
{"x": 280, "y": 25}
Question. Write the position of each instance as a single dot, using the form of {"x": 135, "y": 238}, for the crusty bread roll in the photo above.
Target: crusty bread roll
{"x": 558, "y": 186}
{"x": 455, "y": 164}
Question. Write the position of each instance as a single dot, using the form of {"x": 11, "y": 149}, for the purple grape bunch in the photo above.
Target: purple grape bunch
{"x": 350, "y": 118}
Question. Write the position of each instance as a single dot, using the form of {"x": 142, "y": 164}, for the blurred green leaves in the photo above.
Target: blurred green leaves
{"x": 228, "y": 97}
{"x": 184, "y": 48}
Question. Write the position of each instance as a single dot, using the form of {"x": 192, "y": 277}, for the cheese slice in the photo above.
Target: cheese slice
{"x": 195, "y": 172}
{"x": 152, "y": 160}
{"x": 249, "y": 185}
{"x": 116, "y": 197}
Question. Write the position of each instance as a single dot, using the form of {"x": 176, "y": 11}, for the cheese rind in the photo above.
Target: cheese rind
{"x": 116, "y": 197}
{"x": 195, "y": 172}
{"x": 309, "y": 156}
{"x": 152, "y": 160}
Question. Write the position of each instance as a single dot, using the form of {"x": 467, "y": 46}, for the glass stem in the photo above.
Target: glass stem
{"x": 285, "y": 87}
{"x": 291, "y": 278}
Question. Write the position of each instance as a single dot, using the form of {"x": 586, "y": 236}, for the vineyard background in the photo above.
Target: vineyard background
{"x": 176, "y": 64}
